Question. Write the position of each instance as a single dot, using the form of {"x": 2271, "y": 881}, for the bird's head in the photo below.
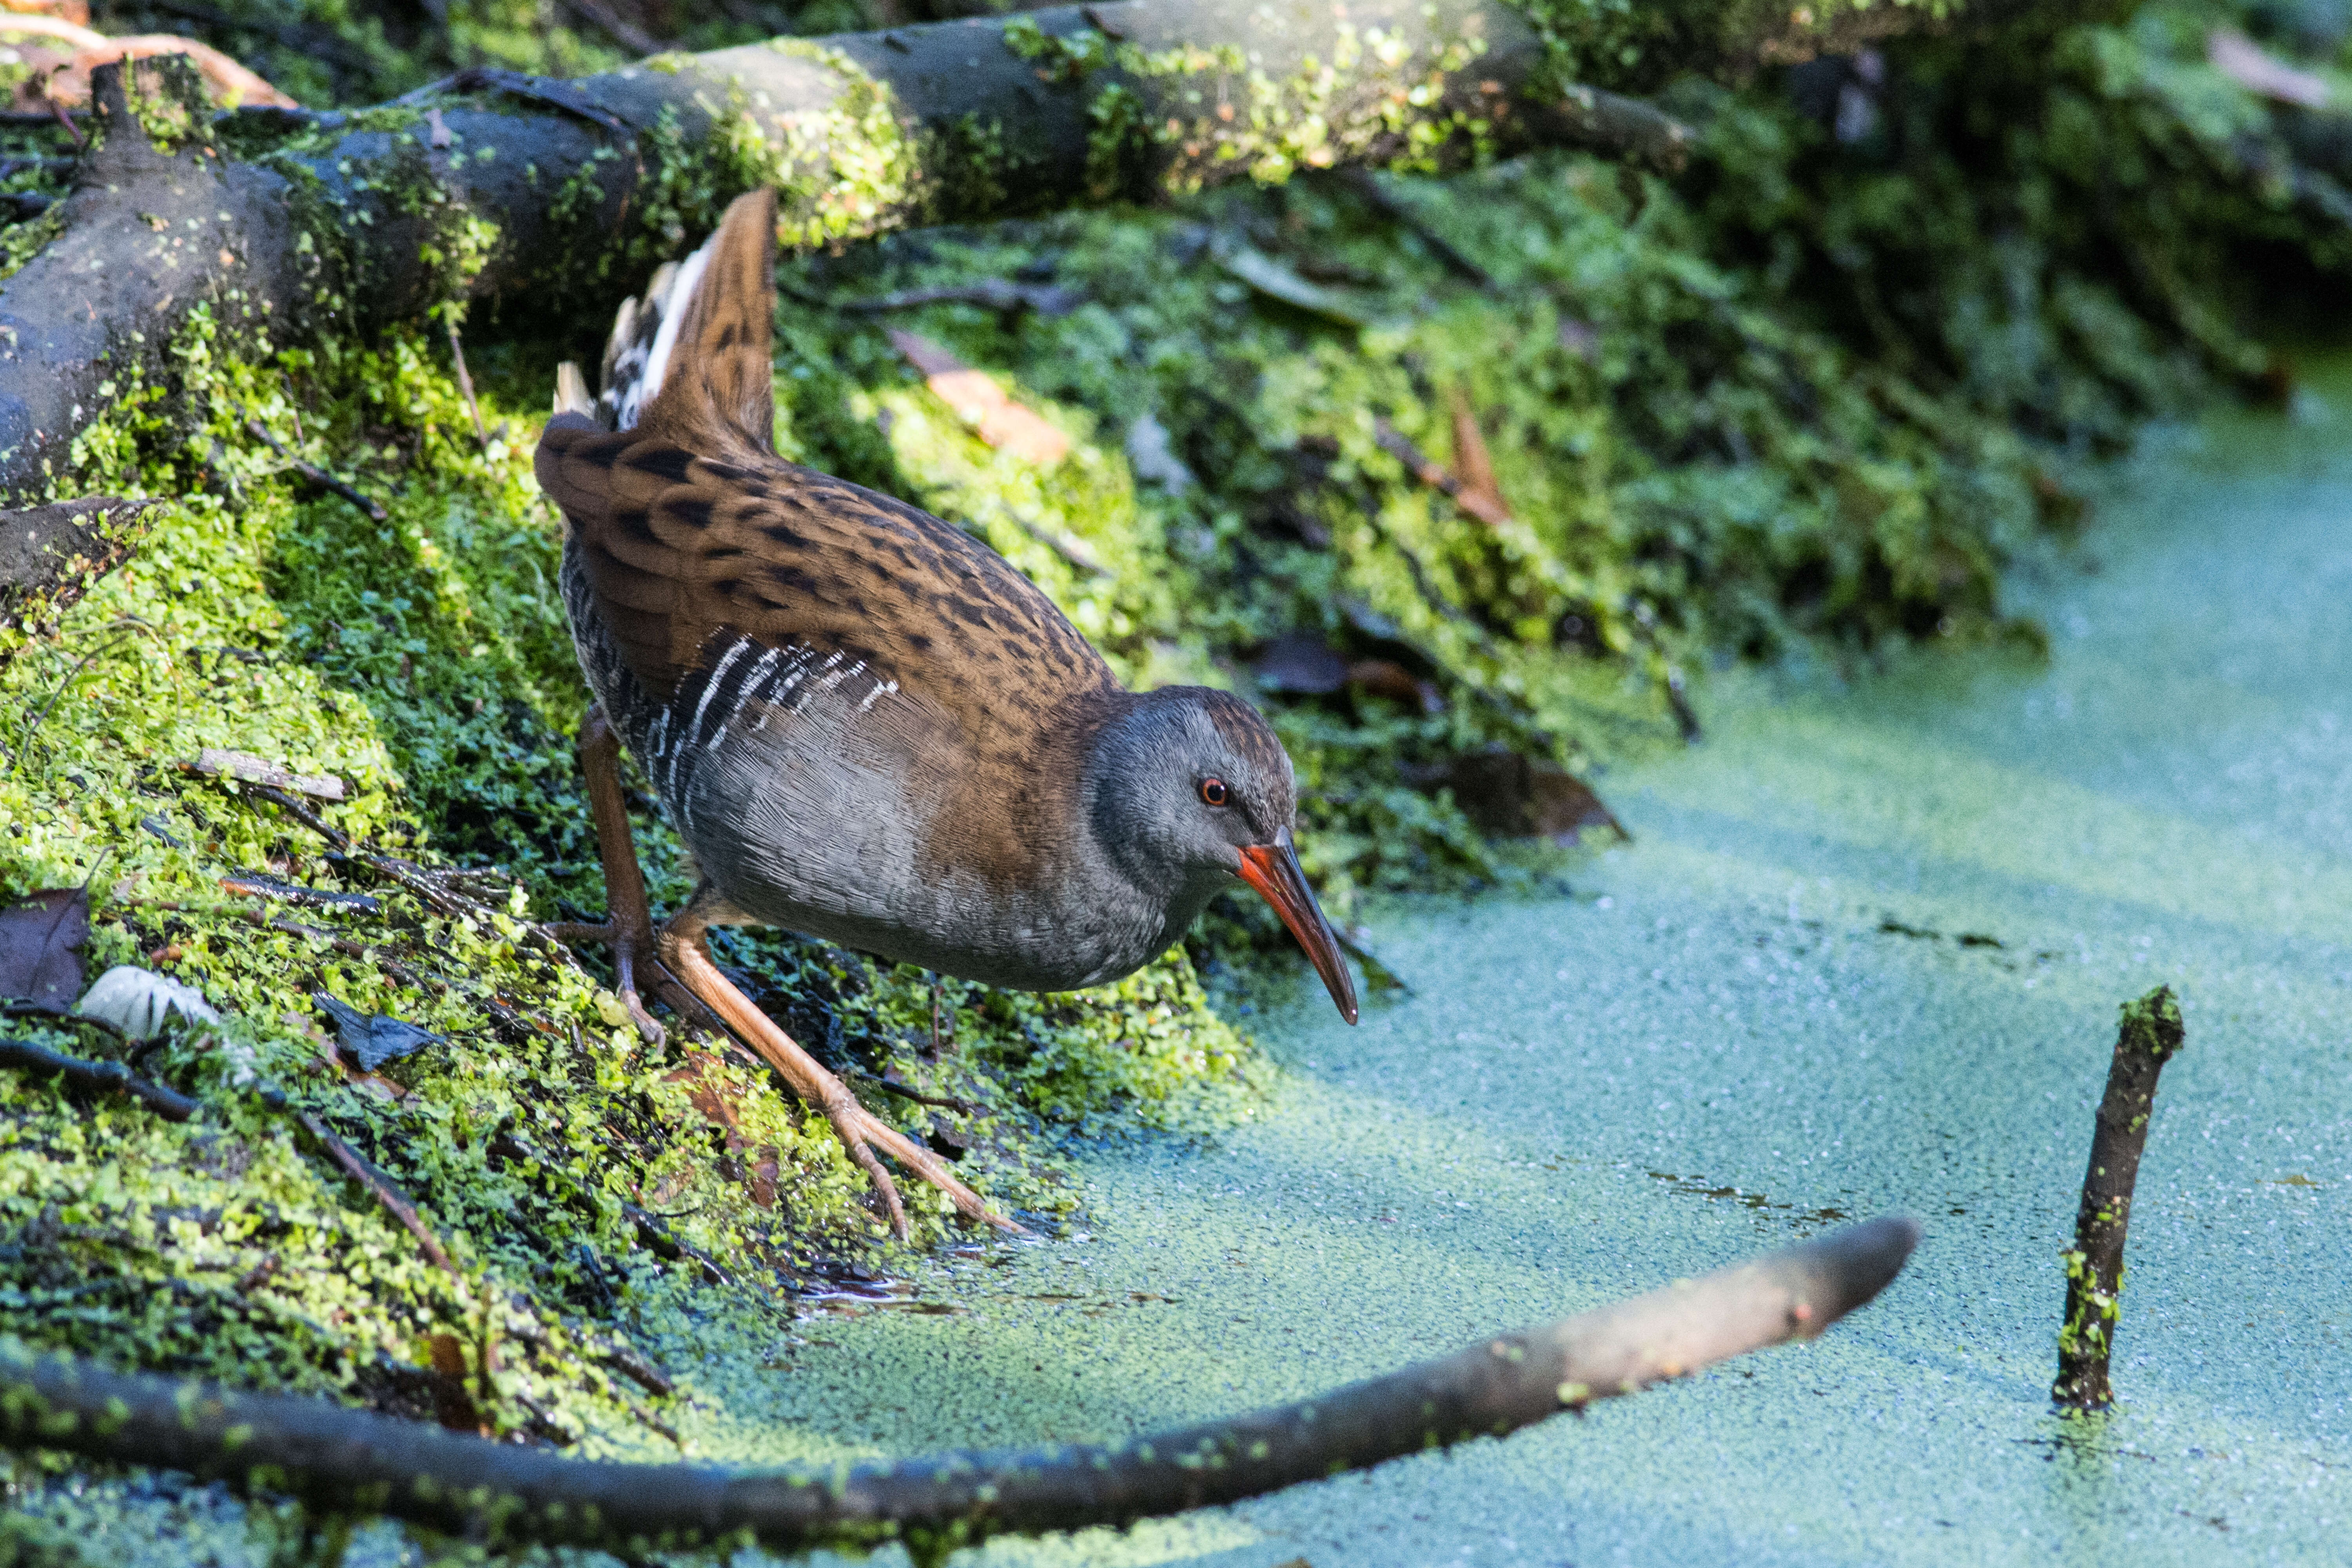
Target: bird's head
{"x": 1189, "y": 789}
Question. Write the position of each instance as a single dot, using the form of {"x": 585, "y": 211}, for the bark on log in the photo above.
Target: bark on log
{"x": 50, "y": 554}
{"x": 350, "y": 1461}
{"x": 560, "y": 195}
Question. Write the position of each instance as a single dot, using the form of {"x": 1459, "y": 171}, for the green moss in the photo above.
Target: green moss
{"x": 19, "y": 243}
{"x": 2152, "y": 1023}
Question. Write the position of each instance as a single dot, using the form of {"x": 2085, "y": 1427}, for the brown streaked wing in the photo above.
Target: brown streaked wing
{"x": 785, "y": 555}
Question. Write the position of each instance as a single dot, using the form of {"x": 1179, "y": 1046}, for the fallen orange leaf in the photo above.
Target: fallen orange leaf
{"x": 980, "y": 403}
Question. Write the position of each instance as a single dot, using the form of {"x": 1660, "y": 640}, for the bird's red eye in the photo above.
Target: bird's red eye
{"x": 1214, "y": 791}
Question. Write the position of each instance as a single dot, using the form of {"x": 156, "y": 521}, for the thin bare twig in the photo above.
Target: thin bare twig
{"x": 2150, "y": 1035}
{"x": 945, "y": 1102}
{"x": 24, "y": 1056}
{"x": 119, "y": 629}
{"x": 433, "y": 891}
{"x": 500, "y": 1494}
{"x": 317, "y": 475}
{"x": 1367, "y": 186}
{"x": 394, "y": 1200}
{"x": 464, "y": 381}
{"x": 666, "y": 1244}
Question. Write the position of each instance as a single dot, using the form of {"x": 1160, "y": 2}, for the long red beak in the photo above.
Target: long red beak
{"x": 1272, "y": 870}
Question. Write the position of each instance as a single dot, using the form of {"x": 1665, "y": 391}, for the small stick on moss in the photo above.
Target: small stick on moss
{"x": 1367, "y": 185}
{"x": 504, "y": 1494}
{"x": 644, "y": 1374}
{"x": 666, "y": 1244}
{"x": 169, "y": 1104}
{"x": 2150, "y": 1035}
{"x": 903, "y": 1091}
{"x": 394, "y": 1200}
{"x": 465, "y": 381}
{"x": 214, "y": 762}
{"x": 315, "y": 474}
{"x": 1631, "y": 128}
{"x": 433, "y": 892}
{"x": 1429, "y": 471}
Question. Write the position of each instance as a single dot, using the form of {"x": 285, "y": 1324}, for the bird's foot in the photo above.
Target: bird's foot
{"x": 860, "y": 1130}
{"x": 634, "y": 960}
{"x": 862, "y": 1133}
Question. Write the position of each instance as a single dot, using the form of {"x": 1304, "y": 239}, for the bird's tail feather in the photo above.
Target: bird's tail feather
{"x": 711, "y": 367}
{"x": 572, "y": 391}
{"x": 696, "y": 348}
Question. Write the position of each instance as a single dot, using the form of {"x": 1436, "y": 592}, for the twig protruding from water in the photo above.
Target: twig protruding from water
{"x": 2150, "y": 1035}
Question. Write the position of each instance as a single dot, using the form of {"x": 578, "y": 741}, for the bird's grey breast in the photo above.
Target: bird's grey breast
{"x": 818, "y": 795}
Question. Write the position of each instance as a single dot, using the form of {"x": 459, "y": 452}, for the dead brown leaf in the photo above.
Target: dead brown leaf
{"x": 1474, "y": 464}
{"x": 41, "y": 937}
{"x": 980, "y": 403}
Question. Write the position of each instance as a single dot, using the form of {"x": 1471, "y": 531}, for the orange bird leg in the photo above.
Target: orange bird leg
{"x": 860, "y": 1130}
{"x": 628, "y": 925}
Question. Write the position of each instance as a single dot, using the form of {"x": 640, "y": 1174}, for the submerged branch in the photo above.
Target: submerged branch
{"x": 349, "y": 1461}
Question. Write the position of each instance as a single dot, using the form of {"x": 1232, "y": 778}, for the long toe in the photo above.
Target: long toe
{"x": 860, "y": 1130}
{"x": 850, "y": 1124}
{"x": 932, "y": 1169}
{"x": 634, "y": 963}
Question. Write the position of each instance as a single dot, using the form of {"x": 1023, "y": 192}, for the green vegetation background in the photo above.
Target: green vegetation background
{"x": 1818, "y": 394}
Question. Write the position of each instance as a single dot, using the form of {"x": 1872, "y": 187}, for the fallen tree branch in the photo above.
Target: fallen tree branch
{"x": 560, "y": 195}
{"x": 345, "y": 1460}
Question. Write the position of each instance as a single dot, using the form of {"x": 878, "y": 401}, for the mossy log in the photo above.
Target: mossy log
{"x": 493, "y": 185}
{"x": 343, "y": 1461}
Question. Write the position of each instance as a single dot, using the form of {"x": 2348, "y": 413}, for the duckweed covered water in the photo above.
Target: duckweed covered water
{"x": 1865, "y": 955}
